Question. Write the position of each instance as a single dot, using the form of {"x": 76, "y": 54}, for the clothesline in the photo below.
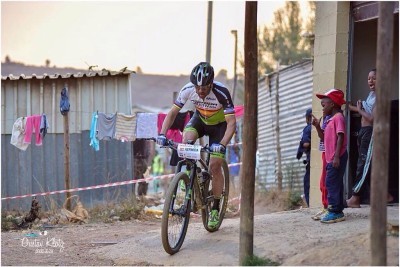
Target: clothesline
{"x": 119, "y": 126}
{"x": 127, "y": 128}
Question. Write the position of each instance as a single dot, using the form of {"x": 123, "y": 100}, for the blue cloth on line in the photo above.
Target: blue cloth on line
{"x": 94, "y": 142}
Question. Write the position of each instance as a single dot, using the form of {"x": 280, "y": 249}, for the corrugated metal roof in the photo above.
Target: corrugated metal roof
{"x": 67, "y": 76}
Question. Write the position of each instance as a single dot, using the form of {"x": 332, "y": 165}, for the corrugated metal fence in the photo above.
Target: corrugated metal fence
{"x": 295, "y": 96}
{"x": 41, "y": 168}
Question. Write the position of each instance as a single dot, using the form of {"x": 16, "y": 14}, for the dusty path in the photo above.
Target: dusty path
{"x": 290, "y": 238}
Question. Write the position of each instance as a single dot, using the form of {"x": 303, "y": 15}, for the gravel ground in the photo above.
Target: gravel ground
{"x": 289, "y": 238}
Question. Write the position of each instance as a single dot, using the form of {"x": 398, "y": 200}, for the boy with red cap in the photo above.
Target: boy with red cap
{"x": 335, "y": 152}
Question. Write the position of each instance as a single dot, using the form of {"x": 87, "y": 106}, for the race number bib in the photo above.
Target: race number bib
{"x": 189, "y": 151}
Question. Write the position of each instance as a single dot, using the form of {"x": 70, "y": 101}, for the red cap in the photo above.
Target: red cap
{"x": 335, "y": 95}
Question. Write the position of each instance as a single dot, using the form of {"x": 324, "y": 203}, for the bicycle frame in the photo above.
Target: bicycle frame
{"x": 191, "y": 165}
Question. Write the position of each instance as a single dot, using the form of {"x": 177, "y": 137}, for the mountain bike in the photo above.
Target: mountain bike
{"x": 189, "y": 191}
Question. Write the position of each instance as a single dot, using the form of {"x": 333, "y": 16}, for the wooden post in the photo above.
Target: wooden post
{"x": 379, "y": 175}
{"x": 66, "y": 159}
{"x": 250, "y": 132}
{"x": 277, "y": 133}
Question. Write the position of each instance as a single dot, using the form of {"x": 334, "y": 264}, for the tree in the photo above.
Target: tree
{"x": 47, "y": 63}
{"x": 282, "y": 41}
{"x": 7, "y": 59}
{"x": 222, "y": 73}
{"x": 138, "y": 70}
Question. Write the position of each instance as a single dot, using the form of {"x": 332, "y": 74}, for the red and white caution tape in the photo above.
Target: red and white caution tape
{"x": 101, "y": 186}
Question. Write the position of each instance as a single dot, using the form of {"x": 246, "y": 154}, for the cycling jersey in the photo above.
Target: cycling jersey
{"x": 215, "y": 106}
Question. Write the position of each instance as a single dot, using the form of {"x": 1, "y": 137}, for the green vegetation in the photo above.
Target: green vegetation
{"x": 124, "y": 210}
{"x": 257, "y": 261}
{"x": 294, "y": 200}
{"x": 283, "y": 41}
{"x": 10, "y": 220}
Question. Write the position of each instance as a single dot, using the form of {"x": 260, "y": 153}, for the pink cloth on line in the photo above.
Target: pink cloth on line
{"x": 33, "y": 126}
{"x": 160, "y": 120}
{"x": 175, "y": 135}
{"x": 172, "y": 134}
{"x": 239, "y": 111}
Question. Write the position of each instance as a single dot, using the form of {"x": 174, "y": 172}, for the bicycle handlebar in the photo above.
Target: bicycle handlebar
{"x": 173, "y": 145}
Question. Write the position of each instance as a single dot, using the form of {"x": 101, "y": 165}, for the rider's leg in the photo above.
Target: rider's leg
{"x": 218, "y": 179}
{"x": 189, "y": 135}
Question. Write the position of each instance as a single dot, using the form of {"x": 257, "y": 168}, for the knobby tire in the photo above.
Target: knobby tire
{"x": 171, "y": 235}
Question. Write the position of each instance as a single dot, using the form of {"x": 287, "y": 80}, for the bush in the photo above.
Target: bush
{"x": 130, "y": 209}
{"x": 294, "y": 200}
{"x": 124, "y": 210}
{"x": 256, "y": 261}
{"x": 10, "y": 220}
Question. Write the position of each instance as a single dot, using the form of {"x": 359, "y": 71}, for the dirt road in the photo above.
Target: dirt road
{"x": 290, "y": 238}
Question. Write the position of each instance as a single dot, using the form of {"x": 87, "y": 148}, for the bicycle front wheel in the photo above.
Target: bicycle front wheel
{"x": 205, "y": 213}
{"x": 176, "y": 214}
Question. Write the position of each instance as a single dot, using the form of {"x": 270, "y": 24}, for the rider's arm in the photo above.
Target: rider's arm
{"x": 230, "y": 129}
{"x": 169, "y": 120}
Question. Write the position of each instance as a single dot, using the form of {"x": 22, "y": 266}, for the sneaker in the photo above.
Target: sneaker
{"x": 213, "y": 220}
{"x": 320, "y": 214}
{"x": 332, "y": 217}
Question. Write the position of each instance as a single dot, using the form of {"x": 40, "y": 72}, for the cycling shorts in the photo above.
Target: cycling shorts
{"x": 215, "y": 132}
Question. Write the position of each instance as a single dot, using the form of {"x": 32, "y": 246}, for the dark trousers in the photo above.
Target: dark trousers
{"x": 363, "y": 140}
{"x": 306, "y": 182}
{"x": 334, "y": 184}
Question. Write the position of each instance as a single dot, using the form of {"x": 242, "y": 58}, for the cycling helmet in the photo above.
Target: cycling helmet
{"x": 202, "y": 74}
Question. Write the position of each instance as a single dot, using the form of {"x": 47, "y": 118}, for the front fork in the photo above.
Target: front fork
{"x": 191, "y": 171}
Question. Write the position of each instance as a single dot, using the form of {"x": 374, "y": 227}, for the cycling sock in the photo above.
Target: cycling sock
{"x": 216, "y": 204}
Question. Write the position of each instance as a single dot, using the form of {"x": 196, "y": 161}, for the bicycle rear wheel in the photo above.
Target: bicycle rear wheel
{"x": 176, "y": 215}
{"x": 205, "y": 213}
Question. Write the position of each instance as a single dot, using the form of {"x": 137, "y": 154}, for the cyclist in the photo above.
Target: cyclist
{"x": 214, "y": 116}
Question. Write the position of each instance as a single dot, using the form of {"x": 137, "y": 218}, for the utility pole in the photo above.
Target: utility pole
{"x": 381, "y": 134}
{"x": 250, "y": 132}
{"x": 209, "y": 30}
{"x": 234, "y": 32}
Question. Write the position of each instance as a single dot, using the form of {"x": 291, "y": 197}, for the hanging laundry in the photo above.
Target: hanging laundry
{"x": 146, "y": 125}
{"x": 94, "y": 142}
{"x": 181, "y": 120}
{"x": 33, "y": 126}
{"x": 18, "y": 134}
{"x": 174, "y": 135}
{"x": 106, "y": 126}
{"x": 125, "y": 127}
{"x": 239, "y": 111}
{"x": 160, "y": 119}
{"x": 44, "y": 125}
{"x": 175, "y": 131}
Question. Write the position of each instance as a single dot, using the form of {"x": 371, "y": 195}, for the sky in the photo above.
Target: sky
{"x": 161, "y": 37}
